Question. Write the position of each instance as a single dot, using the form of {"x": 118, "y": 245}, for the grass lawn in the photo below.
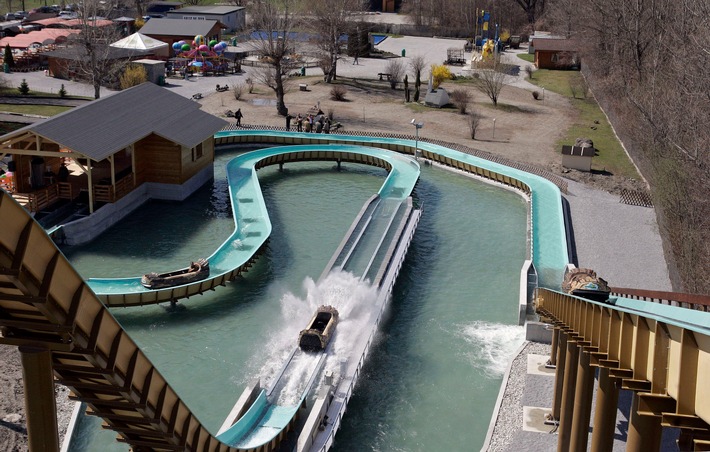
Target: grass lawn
{"x": 611, "y": 156}
{"x": 42, "y": 110}
{"x": 529, "y": 57}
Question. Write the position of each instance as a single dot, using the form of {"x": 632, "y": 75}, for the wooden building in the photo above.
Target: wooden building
{"x": 552, "y": 53}
{"x": 114, "y": 145}
{"x": 232, "y": 17}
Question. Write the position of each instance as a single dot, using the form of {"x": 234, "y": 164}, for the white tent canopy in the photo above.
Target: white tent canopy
{"x": 138, "y": 41}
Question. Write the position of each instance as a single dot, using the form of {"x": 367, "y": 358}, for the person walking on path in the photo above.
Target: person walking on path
{"x": 288, "y": 122}
{"x": 239, "y": 116}
{"x": 355, "y": 59}
{"x": 299, "y": 123}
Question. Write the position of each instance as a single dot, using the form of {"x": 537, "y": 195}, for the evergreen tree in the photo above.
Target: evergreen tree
{"x": 8, "y": 58}
{"x": 24, "y": 87}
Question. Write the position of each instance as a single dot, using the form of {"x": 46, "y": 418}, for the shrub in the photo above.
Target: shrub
{"x": 338, "y": 92}
{"x": 536, "y": 94}
{"x": 238, "y": 90}
{"x": 24, "y": 87}
{"x": 460, "y": 98}
{"x": 439, "y": 73}
{"x": 529, "y": 71}
{"x": 134, "y": 74}
{"x": 250, "y": 84}
{"x": 395, "y": 67}
{"x": 62, "y": 91}
{"x": 474, "y": 120}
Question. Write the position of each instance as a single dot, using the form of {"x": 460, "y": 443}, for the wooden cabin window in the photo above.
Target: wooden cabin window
{"x": 197, "y": 152}
{"x": 555, "y": 58}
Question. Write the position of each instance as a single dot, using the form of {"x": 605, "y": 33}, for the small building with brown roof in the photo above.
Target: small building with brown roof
{"x": 553, "y": 53}
{"x": 143, "y": 142}
{"x": 578, "y": 157}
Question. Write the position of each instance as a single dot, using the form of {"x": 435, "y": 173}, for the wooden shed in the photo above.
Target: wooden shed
{"x": 578, "y": 157}
{"x": 114, "y": 145}
{"x": 553, "y": 53}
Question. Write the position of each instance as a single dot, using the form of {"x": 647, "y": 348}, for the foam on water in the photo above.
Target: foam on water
{"x": 492, "y": 344}
{"x": 351, "y": 297}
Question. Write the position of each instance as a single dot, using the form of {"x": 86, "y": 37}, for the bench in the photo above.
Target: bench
{"x": 222, "y": 88}
{"x": 303, "y": 86}
{"x": 384, "y": 74}
{"x": 197, "y": 96}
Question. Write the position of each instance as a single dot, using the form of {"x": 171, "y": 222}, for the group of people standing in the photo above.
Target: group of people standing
{"x": 318, "y": 123}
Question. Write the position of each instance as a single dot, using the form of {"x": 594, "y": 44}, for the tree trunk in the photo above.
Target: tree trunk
{"x": 280, "y": 105}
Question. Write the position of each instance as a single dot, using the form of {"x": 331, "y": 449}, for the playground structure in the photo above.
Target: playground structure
{"x": 200, "y": 56}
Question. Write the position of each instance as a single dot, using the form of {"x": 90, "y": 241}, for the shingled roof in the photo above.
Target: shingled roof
{"x": 177, "y": 27}
{"x": 105, "y": 126}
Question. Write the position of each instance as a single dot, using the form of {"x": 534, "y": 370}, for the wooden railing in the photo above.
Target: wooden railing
{"x": 39, "y": 199}
{"x": 684, "y": 300}
{"x": 106, "y": 193}
{"x": 66, "y": 191}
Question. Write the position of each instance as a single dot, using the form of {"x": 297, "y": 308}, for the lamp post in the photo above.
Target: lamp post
{"x": 417, "y": 126}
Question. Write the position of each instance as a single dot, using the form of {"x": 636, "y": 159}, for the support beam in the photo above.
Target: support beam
{"x": 91, "y": 186}
{"x": 553, "y": 351}
{"x": 644, "y": 431}
{"x": 559, "y": 375}
{"x": 582, "y": 404}
{"x": 605, "y": 412}
{"x": 39, "y": 399}
{"x": 568, "y": 396}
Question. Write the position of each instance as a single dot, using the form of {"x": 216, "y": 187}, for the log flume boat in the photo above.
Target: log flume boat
{"x": 197, "y": 271}
{"x": 320, "y": 330}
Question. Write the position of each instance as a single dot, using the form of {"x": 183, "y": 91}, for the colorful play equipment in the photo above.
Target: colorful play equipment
{"x": 200, "y": 55}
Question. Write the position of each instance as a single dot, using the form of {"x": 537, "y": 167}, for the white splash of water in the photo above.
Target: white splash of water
{"x": 351, "y": 297}
{"x": 492, "y": 345}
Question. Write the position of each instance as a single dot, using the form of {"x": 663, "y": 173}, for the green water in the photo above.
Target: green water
{"x": 434, "y": 374}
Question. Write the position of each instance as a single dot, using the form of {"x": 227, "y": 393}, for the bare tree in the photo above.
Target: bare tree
{"x": 532, "y": 8}
{"x": 275, "y": 22}
{"x": 417, "y": 64}
{"x": 461, "y": 99}
{"x": 94, "y": 60}
{"x": 396, "y": 69}
{"x": 474, "y": 120}
{"x": 330, "y": 20}
{"x": 490, "y": 79}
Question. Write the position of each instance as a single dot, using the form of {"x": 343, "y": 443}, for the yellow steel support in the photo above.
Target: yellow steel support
{"x": 605, "y": 414}
{"x": 559, "y": 373}
{"x": 662, "y": 361}
{"x": 582, "y": 404}
{"x": 39, "y": 399}
{"x": 568, "y": 396}
{"x": 644, "y": 431}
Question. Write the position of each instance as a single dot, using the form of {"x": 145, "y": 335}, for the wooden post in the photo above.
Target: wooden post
{"x": 39, "y": 399}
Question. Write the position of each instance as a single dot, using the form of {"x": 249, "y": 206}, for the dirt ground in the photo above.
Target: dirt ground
{"x": 521, "y": 129}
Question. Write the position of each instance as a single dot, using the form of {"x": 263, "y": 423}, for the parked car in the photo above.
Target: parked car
{"x": 10, "y": 16}
{"x": 21, "y": 14}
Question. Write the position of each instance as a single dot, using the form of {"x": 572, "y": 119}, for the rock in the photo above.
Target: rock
{"x": 12, "y": 418}
{"x": 584, "y": 142}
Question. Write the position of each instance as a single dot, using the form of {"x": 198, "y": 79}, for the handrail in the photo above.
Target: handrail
{"x": 683, "y": 300}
